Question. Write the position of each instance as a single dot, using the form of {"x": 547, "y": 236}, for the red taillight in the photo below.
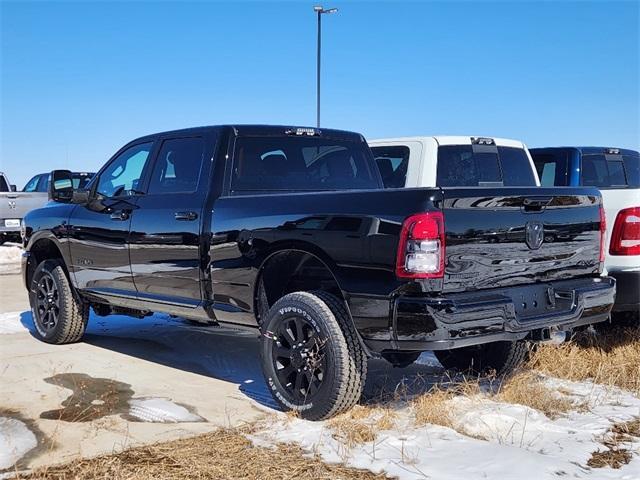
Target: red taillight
{"x": 422, "y": 247}
{"x": 625, "y": 237}
{"x": 603, "y": 236}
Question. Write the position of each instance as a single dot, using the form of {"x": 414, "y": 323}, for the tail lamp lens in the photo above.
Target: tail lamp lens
{"x": 422, "y": 246}
{"x": 625, "y": 237}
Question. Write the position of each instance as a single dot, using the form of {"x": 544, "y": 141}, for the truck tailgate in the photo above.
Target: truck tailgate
{"x": 15, "y": 205}
{"x": 521, "y": 236}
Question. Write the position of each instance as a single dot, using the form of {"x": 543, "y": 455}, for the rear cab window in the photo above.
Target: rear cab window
{"x": 470, "y": 166}
{"x": 301, "y": 163}
{"x": 4, "y": 187}
{"x": 600, "y": 170}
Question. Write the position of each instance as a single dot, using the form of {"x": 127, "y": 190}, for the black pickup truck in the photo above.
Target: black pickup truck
{"x": 289, "y": 231}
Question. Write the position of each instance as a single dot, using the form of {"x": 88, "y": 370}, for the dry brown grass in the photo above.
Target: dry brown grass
{"x": 361, "y": 424}
{"x": 609, "y": 359}
{"x": 616, "y": 454}
{"x": 526, "y": 388}
{"x": 433, "y": 407}
{"x": 223, "y": 454}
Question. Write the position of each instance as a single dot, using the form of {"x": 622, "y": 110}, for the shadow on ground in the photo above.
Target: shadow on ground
{"x": 230, "y": 355}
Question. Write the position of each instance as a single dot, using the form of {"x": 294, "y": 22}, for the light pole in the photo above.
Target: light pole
{"x": 320, "y": 11}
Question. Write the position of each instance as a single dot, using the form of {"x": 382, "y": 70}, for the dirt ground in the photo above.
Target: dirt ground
{"x": 77, "y": 398}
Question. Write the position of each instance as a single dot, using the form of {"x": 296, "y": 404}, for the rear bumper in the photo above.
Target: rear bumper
{"x": 472, "y": 318}
{"x": 628, "y": 291}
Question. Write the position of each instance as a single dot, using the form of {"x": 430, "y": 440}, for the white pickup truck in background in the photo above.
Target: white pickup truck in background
{"x": 453, "y": 161}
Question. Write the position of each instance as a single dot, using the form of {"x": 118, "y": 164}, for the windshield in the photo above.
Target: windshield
{"x": 302, "y": 164}
{"x": 80, "y": 180}
{"x": 3, "y": 184}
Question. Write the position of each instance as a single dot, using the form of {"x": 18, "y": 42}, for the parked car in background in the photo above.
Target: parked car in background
{"x": 453, "y": 161}
{"x": 616, "y": 172}
{"x": 289, "y": 232}
{"x": 14, "y": 205}
{"x": 40, "y": 183}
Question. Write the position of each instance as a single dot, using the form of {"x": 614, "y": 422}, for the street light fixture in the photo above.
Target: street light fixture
{"x": 320, "y": 11}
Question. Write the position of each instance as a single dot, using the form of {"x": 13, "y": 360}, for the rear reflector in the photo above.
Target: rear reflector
{"x": 603, "y": 237}
{"x": 625, "y": 237}
{"x": 421, "y": 248}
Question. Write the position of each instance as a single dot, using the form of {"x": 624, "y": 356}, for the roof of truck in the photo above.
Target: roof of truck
{"x": 257, "y": 129}
{"x": 452, "y": 140}
{"x": 589, "y": 150}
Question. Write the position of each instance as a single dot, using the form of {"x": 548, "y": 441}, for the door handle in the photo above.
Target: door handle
{"x": 120, "y": 215}
{"x": 186, "y": 216}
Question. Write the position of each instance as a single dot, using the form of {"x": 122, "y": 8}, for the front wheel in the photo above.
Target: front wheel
{"x": 58, "y": 315}
{"x": 499, "y": 357}
{"x": 311, "y": 357}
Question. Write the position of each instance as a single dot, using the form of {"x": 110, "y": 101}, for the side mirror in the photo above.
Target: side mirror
{"x": 13, "y": 188}
{"x": 61, "y": 186}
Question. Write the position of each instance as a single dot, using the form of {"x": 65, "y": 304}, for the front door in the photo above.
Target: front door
{"x": 165, "y": 248}
{"x": 98, "y": 231}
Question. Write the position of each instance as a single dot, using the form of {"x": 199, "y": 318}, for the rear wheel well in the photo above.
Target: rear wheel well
{"x": 292, "y": 271}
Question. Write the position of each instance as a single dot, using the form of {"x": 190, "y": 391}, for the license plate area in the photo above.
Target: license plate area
{"x": 541, "y": 300}
{"x": 12, "y": 222}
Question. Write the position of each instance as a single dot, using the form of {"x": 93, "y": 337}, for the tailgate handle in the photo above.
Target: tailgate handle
{"x": 535, "y": 204}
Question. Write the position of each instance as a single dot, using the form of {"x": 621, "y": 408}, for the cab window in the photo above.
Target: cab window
{"x": 553, "y": 168}
{"x": 597, "y": 171}
{"x": 178, "y": 166}
{"x": 393, "y": 162}
{"x": 122, "y": 176}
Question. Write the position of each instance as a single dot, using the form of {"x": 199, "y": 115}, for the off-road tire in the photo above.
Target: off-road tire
{"x": 73, "y": 313}
{"x": 346, "y": 363}
{"x": 503, "y": 358}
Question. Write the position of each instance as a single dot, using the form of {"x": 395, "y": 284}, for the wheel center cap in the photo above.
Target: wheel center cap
{"x": 296, "y": 360}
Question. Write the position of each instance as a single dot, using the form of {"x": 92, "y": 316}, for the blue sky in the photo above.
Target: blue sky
{"x": 80, "y": 79}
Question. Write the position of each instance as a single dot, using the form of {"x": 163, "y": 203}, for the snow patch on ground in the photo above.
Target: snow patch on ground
{"x": 10, "y": 259}
{"x": 10, "y": 323}
{"x": 428, "y": 359}
{"x": 161, "y": 410}
{"x": 498, "y": 441}
{"x": 15, "y": 441}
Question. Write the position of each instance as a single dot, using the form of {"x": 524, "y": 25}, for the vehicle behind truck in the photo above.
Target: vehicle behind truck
{"x": 289, "y": 232}
{"x": 14, "y": 205}
{"x": 453, "y": 161}
{"x": 616, "y": 172}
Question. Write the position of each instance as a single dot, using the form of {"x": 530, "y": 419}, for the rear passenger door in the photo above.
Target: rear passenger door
{"x": 164, "y": 239}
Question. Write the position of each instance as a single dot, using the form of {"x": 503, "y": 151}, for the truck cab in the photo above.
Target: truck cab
{"x": 616, "y": 172}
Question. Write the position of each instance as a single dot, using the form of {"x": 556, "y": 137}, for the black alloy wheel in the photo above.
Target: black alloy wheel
{"x": 298, "y": 358}
{"x": 47, "y": 302}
